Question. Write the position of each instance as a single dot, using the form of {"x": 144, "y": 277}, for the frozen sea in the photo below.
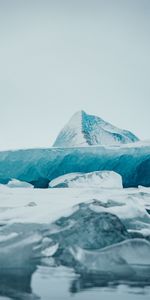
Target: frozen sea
{"x": 26, "y": 212}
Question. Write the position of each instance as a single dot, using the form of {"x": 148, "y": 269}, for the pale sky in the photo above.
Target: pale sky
{"x": 60, "y": 56}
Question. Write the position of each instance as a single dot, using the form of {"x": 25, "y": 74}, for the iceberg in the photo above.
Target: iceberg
{"x": 87, "y": 130}
{"x": 40, "y": 166}
{"x": 101, "y": 179}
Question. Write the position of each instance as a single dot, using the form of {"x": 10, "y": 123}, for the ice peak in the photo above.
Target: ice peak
{"x": 87, "y": 130}
{"x": 78, "y": 115}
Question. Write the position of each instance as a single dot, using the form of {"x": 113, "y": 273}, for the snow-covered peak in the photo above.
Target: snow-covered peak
{"x": 87, "y": 130}
{"x": 76, "y": 118}
{"x": 72, "y": 134}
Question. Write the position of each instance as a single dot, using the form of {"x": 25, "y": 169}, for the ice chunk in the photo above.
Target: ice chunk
{"x": 101, "y": 179}
{"x": 16, "y": 251}
{"x": 113, "y": 258}
{"x": 50, "y": 251}
{"x": 14, "y": 183}
{"x": 88, "y": 230}
{"x": 131, "y": 210}
{"x": 144, "y": 189}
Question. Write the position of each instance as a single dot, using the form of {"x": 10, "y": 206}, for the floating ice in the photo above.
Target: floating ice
{"x": 88, "y": 230}
{"x": 101, "y": 179}
{"x": 114, "y": 258}
{"x": 92, "y": 218}
{"x": 14, "y": 183}
{"x": 16, "y": 251}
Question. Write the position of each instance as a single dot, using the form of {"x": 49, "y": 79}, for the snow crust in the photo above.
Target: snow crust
{"x": 101, "y": 179}
{"x": 50, "y": 204}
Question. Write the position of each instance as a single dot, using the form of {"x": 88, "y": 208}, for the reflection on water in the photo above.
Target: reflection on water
{"x": 58, "y": 283}
{"x": 16, "y": 284}
{"x": 62, "y": 283}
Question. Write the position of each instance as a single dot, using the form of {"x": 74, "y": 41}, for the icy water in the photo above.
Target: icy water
{"x": 24, "y": 212}
{"x": 61, "y": 283}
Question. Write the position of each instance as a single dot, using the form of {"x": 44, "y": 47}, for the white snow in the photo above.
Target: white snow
{"x": 51, "y": 204}
{"x": 144, "y": 188}
{"x": 131, "y": 208}
{"x": 101, "y": 179}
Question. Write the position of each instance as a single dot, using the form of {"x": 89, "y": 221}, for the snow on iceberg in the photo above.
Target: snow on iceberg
{"x": 87, "y": 130}
{"x": 15, "y": 183}
{"x": 100, "y": 179}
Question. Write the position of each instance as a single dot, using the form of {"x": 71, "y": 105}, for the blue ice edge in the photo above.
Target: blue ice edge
{"x": 39, "y": 166}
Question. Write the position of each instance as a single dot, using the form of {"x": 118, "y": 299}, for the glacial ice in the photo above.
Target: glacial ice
{"x": 100, "y": 179}
{"x": 40, "y": 166}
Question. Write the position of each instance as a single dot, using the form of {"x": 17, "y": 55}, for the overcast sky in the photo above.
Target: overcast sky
{"x": 60, "y": 56}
